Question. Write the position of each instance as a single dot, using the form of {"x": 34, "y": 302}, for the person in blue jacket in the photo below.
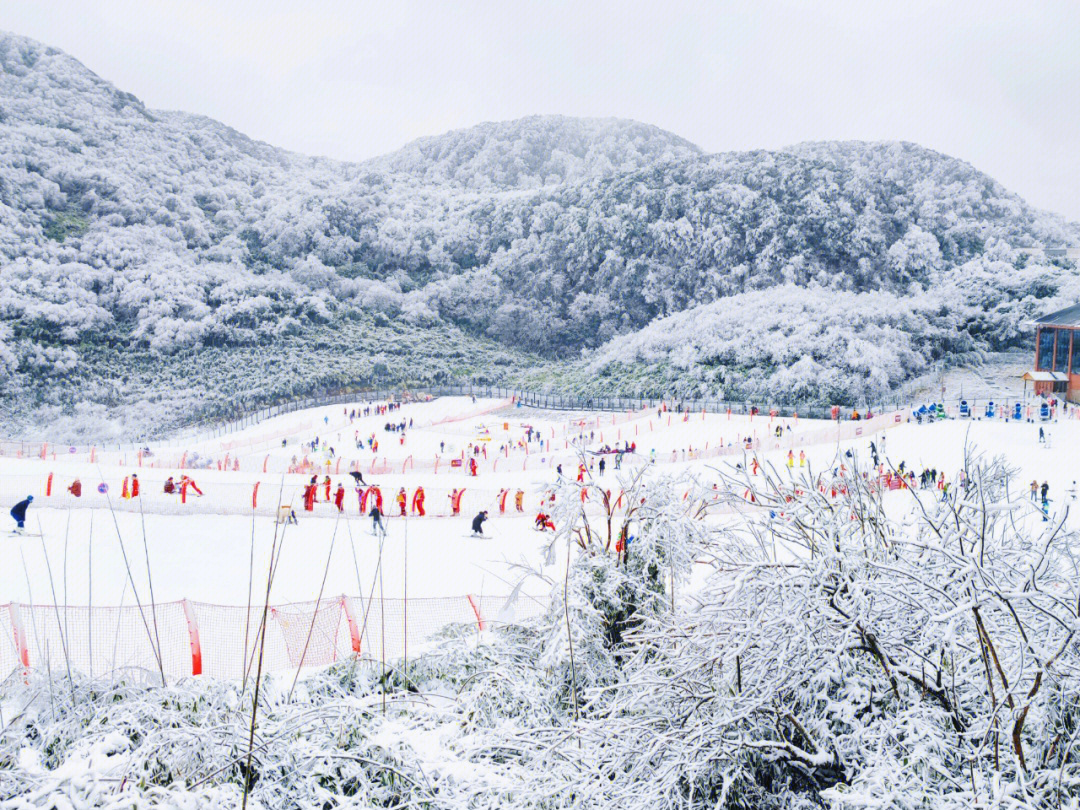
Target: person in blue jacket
{"x": 18, "y": 512}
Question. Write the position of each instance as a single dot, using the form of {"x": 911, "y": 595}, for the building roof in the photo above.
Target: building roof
{"x": 1045, "y": 376}
{"x": 1070, "y": 316}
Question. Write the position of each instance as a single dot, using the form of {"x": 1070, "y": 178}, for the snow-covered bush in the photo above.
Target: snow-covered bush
{"x": 855, "y": 650}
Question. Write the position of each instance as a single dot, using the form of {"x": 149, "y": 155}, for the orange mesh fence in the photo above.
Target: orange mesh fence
{"x": 222, "y": 641}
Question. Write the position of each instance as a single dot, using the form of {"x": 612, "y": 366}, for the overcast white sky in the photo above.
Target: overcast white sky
{"x": 997, "y": 84}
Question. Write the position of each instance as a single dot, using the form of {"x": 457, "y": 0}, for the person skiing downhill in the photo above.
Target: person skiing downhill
{"x": 18, "y": 512}
{"x": 377, "y": 527}
{"x": 478, "y": 524}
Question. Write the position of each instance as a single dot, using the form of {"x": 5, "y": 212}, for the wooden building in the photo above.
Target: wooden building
{"x": 1057, "y": 354}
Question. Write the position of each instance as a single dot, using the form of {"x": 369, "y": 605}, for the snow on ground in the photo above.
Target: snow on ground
{"x": 203, "y": 556}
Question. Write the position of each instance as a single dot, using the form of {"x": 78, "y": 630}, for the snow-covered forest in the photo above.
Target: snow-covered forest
{"x": 580, "y": 253}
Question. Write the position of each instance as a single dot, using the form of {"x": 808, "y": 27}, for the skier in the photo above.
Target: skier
{"x": 18, "y": 512}
{"x": 339, "y": 497}
{"x": 519, "y": 500}
{"x": 377, "y": 527}
{"x": 326, "y": 487}
{"x": 134, "y": 485}
{"x": 402, "y": 501}
{"x": 309, "y": 497}
{"x": 184, "y": 480}
{"x": 1042, "y": 436}
{"x": 1045, "y": 491}
{"x": 802, "y": 459}
{"x": 478, "y": 524}
{"x": 602, "y": 465}
{"x": 472, "y": 466}
{"x": 1072, "y": 492}
{"x": 418, "y": 502}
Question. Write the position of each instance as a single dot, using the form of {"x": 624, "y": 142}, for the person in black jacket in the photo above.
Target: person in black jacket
{"x": 18, "y": 512}
{"x": 478, "y": 524}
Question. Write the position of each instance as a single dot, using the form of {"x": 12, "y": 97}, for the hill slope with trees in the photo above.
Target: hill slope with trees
{"x": 141, "y": 249}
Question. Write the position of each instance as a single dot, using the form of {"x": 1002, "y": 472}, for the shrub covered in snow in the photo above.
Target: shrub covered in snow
{"x": 911, "y": 650}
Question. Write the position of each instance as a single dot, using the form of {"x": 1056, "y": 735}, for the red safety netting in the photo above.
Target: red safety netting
{"x": 223, "y": 641}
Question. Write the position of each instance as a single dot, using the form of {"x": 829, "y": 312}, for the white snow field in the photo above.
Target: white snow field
{"x": 214, "y": 549}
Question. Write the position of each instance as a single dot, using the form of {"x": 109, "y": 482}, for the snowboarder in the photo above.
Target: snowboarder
{"x": 18, "y": 512}
{"x": 358, "y": 477}
{"x": 478, "y": 524}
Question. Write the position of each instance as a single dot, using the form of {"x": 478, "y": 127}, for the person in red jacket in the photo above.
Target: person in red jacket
{"x": 76, "y": 488}
{"x": 339, "y": 498}
{"x": 309, "y": 497}
{"x": 326, "y": 488}
{"x": 134, "y": 485}
{"x": 418, "y": 502}
{"x": 402, "y": 501}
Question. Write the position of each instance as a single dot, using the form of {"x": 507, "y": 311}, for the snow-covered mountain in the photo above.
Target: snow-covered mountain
{"x": 137, "y": 244}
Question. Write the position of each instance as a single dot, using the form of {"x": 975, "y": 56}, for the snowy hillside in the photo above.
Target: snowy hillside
{"x": 139, "y": 246}
{"x": 532, "y": 152}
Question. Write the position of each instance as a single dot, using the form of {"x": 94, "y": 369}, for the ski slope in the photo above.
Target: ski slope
{"x": 105, "y": 550}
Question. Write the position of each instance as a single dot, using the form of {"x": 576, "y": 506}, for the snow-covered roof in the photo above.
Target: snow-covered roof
{"x": 1045, "y": 376}
{"x": 1070, "y": 316}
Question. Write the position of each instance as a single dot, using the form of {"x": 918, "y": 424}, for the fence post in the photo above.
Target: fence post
{"x": 193, "y": 633}
{"x": 354, "y": 628}
{"x": 476, "y": 610}
{"x": 19, "y": 633}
